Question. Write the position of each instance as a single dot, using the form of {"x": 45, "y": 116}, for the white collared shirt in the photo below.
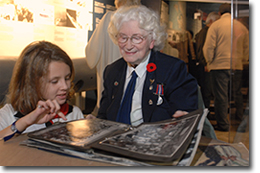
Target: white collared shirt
{"x": 136, "y": 114}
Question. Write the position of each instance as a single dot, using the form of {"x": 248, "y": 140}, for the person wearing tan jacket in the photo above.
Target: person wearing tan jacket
{"x": 225, "y": 48}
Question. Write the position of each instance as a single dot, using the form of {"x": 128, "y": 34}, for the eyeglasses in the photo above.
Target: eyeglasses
{"x": 136, "y": 39}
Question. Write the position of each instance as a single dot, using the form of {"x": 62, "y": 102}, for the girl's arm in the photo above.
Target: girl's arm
{"x": 45, "y": 111}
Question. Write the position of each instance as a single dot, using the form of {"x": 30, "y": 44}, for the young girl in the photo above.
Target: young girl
{"x": 40, "y": 86}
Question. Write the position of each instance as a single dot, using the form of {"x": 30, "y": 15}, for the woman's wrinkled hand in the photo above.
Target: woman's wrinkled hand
{"x": 90, "y": 116}
{"x": 179, "y": 113}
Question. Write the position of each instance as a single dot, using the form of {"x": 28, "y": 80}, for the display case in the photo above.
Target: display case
{"x": 185, "y": 15}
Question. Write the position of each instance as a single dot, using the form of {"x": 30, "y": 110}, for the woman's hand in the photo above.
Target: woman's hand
{"x": 90, "y": 116}
{"x": 179, "y": 113}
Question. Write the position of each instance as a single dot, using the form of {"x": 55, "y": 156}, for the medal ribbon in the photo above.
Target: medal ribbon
{"x": 160, "y": 90}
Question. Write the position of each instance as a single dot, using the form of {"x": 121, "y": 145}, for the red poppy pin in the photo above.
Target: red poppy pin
{"x": 151, "y": 67}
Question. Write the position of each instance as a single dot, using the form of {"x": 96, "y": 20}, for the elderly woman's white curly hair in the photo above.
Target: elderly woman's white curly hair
{"x": 148, "y": 20}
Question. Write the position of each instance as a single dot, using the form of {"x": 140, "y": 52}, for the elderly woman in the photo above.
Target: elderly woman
{"x": 100, "y": 50}
{"x": 162, "y": 88}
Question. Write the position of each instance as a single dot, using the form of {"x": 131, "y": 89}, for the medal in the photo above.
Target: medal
{"x": 160, "y": 100}
{"x": 159, "y": 90}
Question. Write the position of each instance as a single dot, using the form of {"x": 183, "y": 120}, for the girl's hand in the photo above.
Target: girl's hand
{"x": 45, "y": 111}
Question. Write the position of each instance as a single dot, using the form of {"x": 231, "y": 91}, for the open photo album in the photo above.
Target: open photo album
{"x": 164, "y": 141}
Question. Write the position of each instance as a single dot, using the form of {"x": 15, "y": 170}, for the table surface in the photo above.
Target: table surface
{"x": 13, "y": 154}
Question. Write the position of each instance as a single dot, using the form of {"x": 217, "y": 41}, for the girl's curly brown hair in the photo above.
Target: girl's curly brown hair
{"x": 30, "y": 72}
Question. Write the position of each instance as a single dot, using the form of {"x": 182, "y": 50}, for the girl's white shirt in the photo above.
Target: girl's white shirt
{"x": 7, "y": 118}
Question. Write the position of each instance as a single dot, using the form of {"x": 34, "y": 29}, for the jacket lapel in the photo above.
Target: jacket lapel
{"x": 118, "y": 89}
{"x": 149, "y": 99}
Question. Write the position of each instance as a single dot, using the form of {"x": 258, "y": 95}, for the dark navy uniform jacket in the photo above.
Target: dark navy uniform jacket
{"x": 180, "y": 89}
